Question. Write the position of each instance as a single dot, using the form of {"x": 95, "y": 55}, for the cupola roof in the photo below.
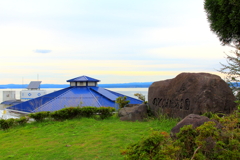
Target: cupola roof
{"x": 83, "y": 79}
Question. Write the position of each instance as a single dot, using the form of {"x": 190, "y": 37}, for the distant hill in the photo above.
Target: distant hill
{"x": 117, "y": 85}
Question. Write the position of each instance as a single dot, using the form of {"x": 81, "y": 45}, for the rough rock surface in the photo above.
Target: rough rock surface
{"x": 192, "y": 119}
{"x": 189, "y": 93}
{"x": 133, "y": 113}
{"x": 196, "y": 121}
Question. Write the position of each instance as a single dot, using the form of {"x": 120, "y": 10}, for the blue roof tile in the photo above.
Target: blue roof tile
{"x": 104, "y": 93}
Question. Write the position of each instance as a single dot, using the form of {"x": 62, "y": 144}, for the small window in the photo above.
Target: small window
{"x": 81, "y": 83}
{"x": 91, "y": 83}
{"x": 72, "y": 84}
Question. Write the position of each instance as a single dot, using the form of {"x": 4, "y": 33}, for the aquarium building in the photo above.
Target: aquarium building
{"x": 82, "y": 91}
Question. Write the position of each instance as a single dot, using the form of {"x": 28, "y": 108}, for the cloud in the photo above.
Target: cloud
{"x": 42, "y": 51}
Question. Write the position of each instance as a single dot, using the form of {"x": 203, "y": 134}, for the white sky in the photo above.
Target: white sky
{"x": 113, "y": 41}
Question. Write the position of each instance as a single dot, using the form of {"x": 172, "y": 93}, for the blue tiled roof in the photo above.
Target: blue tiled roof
{"x": 11, "y": 102}
{"x": 83, "y": 79}
{"x": 132, "y": 100}
{"x": 72, "y": 97}
{"x": 31, "y": 105}
{"x": 105, "y": 93}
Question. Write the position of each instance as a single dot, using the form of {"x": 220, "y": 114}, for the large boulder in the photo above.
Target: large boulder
{"x": 189, "y": 93}
{"x": 196, "y": 121}
{"x": 136, "y": 112}
{"x": 192, "y": 119}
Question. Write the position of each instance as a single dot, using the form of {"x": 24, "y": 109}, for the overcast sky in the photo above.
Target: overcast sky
{"x": 115, "y": 41}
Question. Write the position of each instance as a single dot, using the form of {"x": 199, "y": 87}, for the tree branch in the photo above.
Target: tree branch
{"x": 195, "y": 152}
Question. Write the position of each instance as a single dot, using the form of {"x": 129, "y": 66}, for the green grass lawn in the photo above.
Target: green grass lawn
{"x": 84, "y": 139}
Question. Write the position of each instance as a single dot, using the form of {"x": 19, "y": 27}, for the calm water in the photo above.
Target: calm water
{"x": 126, "y": 91}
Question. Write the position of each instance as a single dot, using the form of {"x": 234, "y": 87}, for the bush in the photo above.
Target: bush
{"x": 22, "y": 120}
{"x": 73, "y": 112}
{"x": 205, "y": 142}
{"x": 39, "y": 116}
{"x": 6, "y": 124}
{"x": 141, "y": 97}
{"x": 122, "y": 101}
{"x": 88, "y": 111}
{"x": 105, "y": 112}
{"x": 156, "y": 146}
{"x": 66, "y": 113}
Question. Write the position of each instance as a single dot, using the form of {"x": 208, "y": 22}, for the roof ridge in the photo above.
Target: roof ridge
{"x": 95, "y": 97}
{"x": 99, "y": 91}
{"x": 85, "y": 77}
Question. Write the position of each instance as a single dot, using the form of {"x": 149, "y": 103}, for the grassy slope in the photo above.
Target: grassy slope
{"x": 75, "y": 139}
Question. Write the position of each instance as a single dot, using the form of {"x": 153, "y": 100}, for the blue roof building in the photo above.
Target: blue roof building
{"x": 83, "y": 91}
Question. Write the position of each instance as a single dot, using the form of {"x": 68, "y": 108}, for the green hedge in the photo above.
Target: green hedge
{"x": 5, "y": 124}
{"x": 66, "y": 113}
{"x": 60, "y": 115}
{"x": 39, "y": 116}
{"x": 22, "y": 120}
{"x": 72, "y": 112}
{"x": 105, "y": 112}
{"x": 89, "y": 111}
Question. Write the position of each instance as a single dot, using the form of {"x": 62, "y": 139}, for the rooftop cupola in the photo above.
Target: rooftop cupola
{"x": 83, "y": 81}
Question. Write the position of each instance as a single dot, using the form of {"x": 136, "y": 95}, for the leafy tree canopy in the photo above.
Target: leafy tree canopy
{"x": 224, "y": 18}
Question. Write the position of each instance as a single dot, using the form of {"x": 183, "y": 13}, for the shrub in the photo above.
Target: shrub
{"x": 56, "y": 115}
{"x": 205, "y": 142}
{"x": 208, "y": 114}
{"x": 6, "y": 124}
{"x": 156, "y": 146}
{"x": 39, "y": 116}
{"x": 105, "y": 112}
{"x": 72, "y": 112}
{"x": 66, "y": 113}
{"x": 22, "y": 120}
{"x": 213, "y": 115}
{"x": 88, "y": 111}
{"x": 122, "y": 101}
{"x": 141, "y": 97}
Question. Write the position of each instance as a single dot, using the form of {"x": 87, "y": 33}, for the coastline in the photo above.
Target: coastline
{"x": 117, "y": 85}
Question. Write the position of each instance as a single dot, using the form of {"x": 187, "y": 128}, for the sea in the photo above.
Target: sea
{"x": 126, "y": 91}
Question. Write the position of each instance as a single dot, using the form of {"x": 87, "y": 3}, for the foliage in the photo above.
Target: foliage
{"x": 105, "y": 112}
{"x": 73, "y": 112}
{"x": 204, "y": 142}
{"x": 22, "y": 120}
{"x": 231, "y": 70}
{"x": 213, "y": 115}
{"x": 156, "y": 146}
{"x": 141, "y": 97}
{"x": 6, "y": 124}
{"x": 39, "y": 116}
{"x": 208, "y": 114}
{"x": 238, "y": 108}
{"x": 122, "y": 101}
{"x": 223, "y": 16}
{"x": 66, "y": 113}
{"x": 63, "y": 114}
{"x": 89, "y": 111}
